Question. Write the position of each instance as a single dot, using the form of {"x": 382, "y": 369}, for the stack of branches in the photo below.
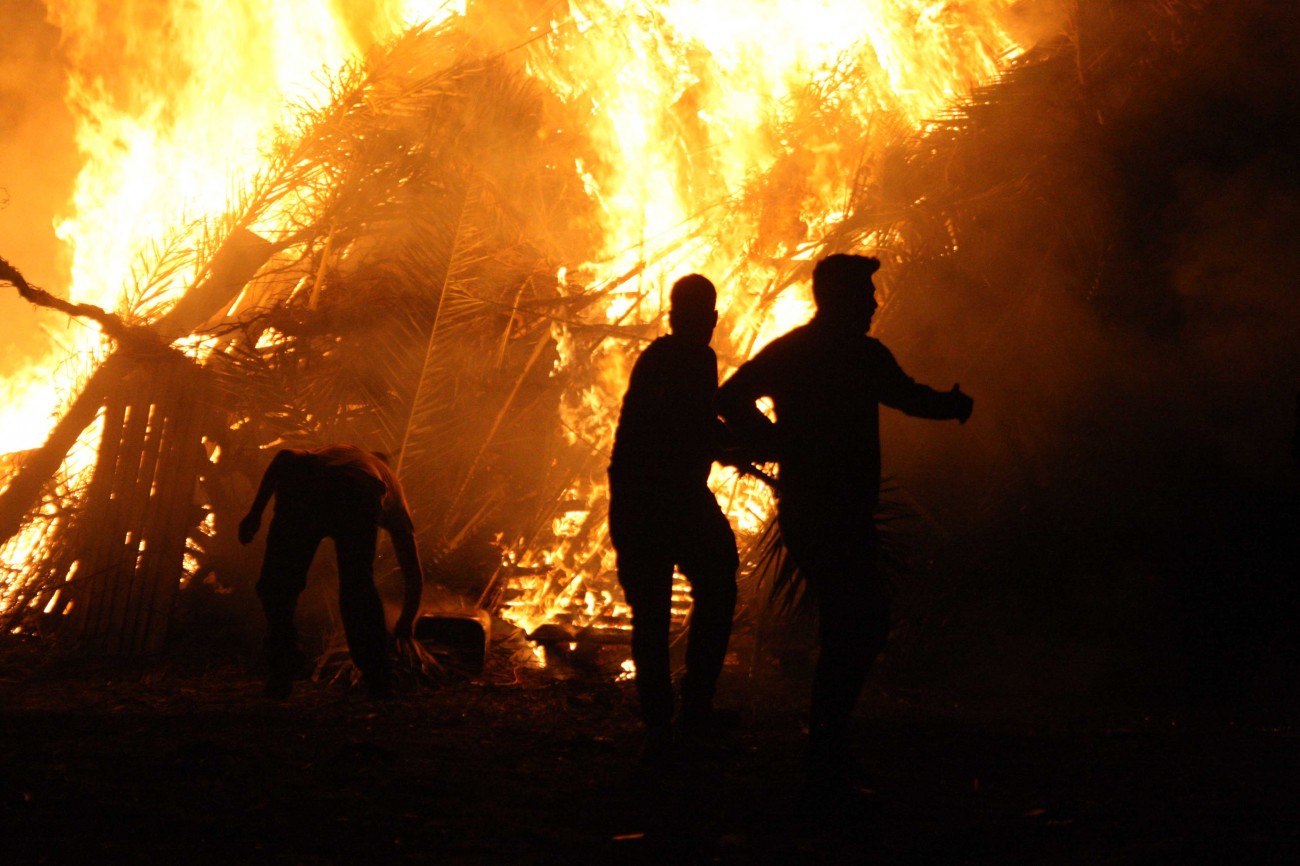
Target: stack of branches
{"x": 402, "y": 299}
{"x": 412, "y": 314}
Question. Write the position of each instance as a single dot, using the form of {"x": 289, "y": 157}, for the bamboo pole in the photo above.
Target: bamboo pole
{"x": 149, "y": 567}
{"x": 188, "y": 415}
{"x": 136, "y": 469}
{"x": 89, "y": 587}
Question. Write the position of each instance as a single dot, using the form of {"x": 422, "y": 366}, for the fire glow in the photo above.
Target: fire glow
{"x": 689, "y": 103}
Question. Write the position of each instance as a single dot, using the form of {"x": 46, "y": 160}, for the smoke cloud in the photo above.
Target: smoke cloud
{"x": 1117, "y": 518}
{"x": 37, "y": 165}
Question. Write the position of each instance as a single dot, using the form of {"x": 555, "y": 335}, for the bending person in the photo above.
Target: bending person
{"x": 347, "y": 494}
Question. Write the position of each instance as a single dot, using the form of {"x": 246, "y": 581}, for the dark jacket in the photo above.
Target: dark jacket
{"x": 826, "y": 388}
{"x": 667, "y": 436}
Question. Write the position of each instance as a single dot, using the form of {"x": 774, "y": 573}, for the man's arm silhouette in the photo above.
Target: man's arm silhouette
{"x": 408, "y": 558}
{"x": 736, "y": 402}
{"x": 395, "y": 519}
{"x": 900, "y": 391}
{"x": 270, "y": 483}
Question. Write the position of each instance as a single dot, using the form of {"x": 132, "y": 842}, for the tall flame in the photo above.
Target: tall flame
{"x": 689, "y": 104}
{"x": 170, "y": 103}
{"x": 692, "y": 104}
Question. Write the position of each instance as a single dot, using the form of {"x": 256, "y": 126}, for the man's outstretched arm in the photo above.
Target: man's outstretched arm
{"x": 270, "y": 482}
{"x": 899, "y": 391}
{"x": 736, "y": 403}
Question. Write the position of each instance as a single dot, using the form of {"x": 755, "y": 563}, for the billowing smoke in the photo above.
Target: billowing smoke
{"x": 1117, "y": 518}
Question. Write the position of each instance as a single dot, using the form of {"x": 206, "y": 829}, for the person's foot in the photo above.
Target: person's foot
{"x": 286, "y": 665}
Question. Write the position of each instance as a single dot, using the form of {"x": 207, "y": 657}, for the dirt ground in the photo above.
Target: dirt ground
{"x": 187, "y": 762}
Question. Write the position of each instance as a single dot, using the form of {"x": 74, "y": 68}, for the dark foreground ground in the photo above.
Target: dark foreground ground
{"x": 171, "y": 762}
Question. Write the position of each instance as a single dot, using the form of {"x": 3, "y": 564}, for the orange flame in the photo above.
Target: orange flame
{"x": 171, "y": 102}
{"x": 689, "y": 103}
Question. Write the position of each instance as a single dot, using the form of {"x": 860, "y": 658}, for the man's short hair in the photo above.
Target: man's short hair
{"x": 694, "y": 293}
{"x": 838, "y": 274}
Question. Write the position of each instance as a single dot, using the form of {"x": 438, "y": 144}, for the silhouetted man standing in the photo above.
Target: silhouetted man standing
{"x": 347, "y": 494}
{"x": 662, "y": 513}
{"x": 826, "y": 380}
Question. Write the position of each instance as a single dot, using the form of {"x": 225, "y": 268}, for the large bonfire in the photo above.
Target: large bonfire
{"x": 450, "y": 248}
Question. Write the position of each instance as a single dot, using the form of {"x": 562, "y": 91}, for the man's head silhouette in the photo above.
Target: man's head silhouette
{"x": 693, "y": 312}
{"x": 843, "y": 291}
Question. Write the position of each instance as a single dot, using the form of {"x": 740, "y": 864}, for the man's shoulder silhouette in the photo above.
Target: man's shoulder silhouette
{"x": 669, "y": 348}
{"x": 667, "y": 367}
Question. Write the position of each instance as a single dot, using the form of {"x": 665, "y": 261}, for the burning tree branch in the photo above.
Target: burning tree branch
{"x": 109, "y": 323}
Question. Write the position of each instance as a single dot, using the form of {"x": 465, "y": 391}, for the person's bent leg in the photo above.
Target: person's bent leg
{"x": 290, "y": 548}
{"x": 647, "y": 585}
{"x": 360, "y": 607}
{"x": 645, "y": 571}
{"x": 854, "y": 625}
{"x": 710, "y": 564}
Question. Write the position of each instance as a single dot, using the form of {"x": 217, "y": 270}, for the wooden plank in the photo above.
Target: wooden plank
{"x": 163, "y": 394}
{"x": 137, "y": 472}
{"x": 195, "y": 412}
{"x": 141, "y": 494}
{"x": 135, "y": 583}
{"x": 236, "y": 262}
{"x": 114, "y": 528}
{"x": 88, "y": 585}
{"x": 162, "y": 505}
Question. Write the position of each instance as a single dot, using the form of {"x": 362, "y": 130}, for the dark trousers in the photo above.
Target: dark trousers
{"x": 652, "y": 531}
{"x": 837, "y": 552}
{"x": 347, "y": 513}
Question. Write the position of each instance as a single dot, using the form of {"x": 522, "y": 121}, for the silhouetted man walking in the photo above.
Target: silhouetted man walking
{"x": 826, "y": 380}
{"x": 662, "y": 513}
{"x": 347, "y": 494}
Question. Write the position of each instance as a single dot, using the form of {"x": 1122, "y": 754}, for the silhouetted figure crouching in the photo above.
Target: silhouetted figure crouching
{"x": 826, "y": 380}
{"x": 662, "y": 513}
{"x": 347, "y": 494}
